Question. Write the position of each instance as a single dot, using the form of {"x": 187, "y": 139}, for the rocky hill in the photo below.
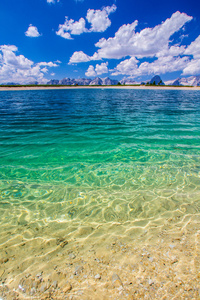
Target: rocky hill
{"x": 191, "y": 81}
{"x": 128, "y": 81}
{"x": 156, "y": 80}
{"x": 83, "y": 81}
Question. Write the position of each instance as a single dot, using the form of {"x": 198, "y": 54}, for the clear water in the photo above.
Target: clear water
{"x": 98, "y": 157}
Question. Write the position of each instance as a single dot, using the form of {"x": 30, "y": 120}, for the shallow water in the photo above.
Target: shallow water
{"x": 74, "y": 160}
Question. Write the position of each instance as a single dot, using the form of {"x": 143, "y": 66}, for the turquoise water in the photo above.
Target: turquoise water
{"x": 98, "y": 157}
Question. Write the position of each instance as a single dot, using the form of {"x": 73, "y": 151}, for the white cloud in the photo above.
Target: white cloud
{"x": 127, "y": 67}
{"x": 99, "y": 18}
{"x": 162, "y": 65}
{"x": 48, "y": 64}
{"x": 79, "y": 56}
{"x": 71, "y": 27}
{"x": 194, "y": 48}
{"x": 44, "y": 70}
{"x": 98, "y": 70}
{"x": 171, "y": 51}
{"x": 102, "y": 68}
{"x": 146, "y": 43}
{"x": 52, "y": 1}
{"x": 18, "y": 68}
{"x": 192, "y": 68}
{"x": 90, "y": 71}
{"x": 32, "y": 31}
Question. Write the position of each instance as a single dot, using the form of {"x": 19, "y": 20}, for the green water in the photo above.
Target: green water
{"x": 98, "y": 157}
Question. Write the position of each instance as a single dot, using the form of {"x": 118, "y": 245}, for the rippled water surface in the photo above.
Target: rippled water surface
{"x": 99, "y": 156}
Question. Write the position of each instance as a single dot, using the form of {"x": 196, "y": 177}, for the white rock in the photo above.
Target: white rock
{"x": 98, "y": 276}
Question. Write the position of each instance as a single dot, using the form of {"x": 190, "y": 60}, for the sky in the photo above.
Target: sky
{"x": 53, "y": 39}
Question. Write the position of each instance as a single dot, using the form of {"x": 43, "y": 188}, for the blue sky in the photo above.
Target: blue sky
{"x": 51, "y": 39}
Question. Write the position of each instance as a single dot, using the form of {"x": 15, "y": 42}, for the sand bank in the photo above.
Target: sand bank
{"x": 98, "y": 87}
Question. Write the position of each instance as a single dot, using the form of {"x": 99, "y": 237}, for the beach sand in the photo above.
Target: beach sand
{"x": 108, "y": 261}
{"x": 141, "y": 87}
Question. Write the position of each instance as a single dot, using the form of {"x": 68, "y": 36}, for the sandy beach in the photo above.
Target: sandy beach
{"x": 141, "y": 87}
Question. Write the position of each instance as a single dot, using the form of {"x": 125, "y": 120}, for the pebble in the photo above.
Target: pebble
{"x": 72, "y": 256}
{"x": 67, "y": 287}
{"x": 21, "y": 288}
{"x": 55, "y": 284}
{"x": 151, "y": 259}
{"x": 98, "y": 276}
{"x": 150, "y": 282}
{"x": 116, "y": 280}
{"x": 78, "y": 270}
{"x": 33, "y": 291}
{"x": 43, "y": 288}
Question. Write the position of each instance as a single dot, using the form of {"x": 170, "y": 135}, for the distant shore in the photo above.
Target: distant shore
{"x": 134, "y": 87}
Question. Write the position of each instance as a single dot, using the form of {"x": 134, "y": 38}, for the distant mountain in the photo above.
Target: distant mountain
{"x": 83, "y": 81}
{"x": 156, "y": 80}
{"x": 96, "y": 81}
{"x": 191, "y": 81}
{"x": 128, "y": 81}
{"x": 67, "y": 81}
{"x": 10, "y": 83}
{"x": 53, "y": 82}
{"x": 169, "y": 82}
{"x": 108, "y": 81}
{"x": 33, "y": 83}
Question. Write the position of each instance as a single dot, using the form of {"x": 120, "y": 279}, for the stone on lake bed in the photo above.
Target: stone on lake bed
{"x": 116, "y": 281}
{"x": 98, "y": 276}
{"x": 55, "y": 284}
{"x": 78, "y": 270}
{"x": 67, "y": 287}
{"x": 72, "y": 256}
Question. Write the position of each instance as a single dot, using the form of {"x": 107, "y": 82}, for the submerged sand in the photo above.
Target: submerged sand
{"x": 75, "y": 261}
{"x": 141, "y": 87}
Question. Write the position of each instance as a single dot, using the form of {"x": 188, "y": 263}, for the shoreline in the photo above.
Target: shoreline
{"x": 35, "y": 88}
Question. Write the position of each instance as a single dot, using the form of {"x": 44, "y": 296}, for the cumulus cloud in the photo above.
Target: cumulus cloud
{"x": 80, "y": 56}
{"x": 99, "y": 18}
{"x": 71, "y": 27}
{"x": 18, "y": 68}
{"x": 194, "y": 48}
{"x": 102, "y": 68}
{"x": 98, "y": 70}
{"x": 32, "y": 31}
{"x": 146, "y": 43}
{"x": 162, "y": 65}
{"x": 48, "y": 64}
{"x": 192, "y": 68}
{"x": 90, "y": 71}
{"x": 52, "y": 1}
{"x": 126, "y": 67}
{"x": 150, "y": 43}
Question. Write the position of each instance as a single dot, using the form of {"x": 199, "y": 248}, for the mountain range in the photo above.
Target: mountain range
{"x": 156, "y": 80}
{"x": 84, "y": 81}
